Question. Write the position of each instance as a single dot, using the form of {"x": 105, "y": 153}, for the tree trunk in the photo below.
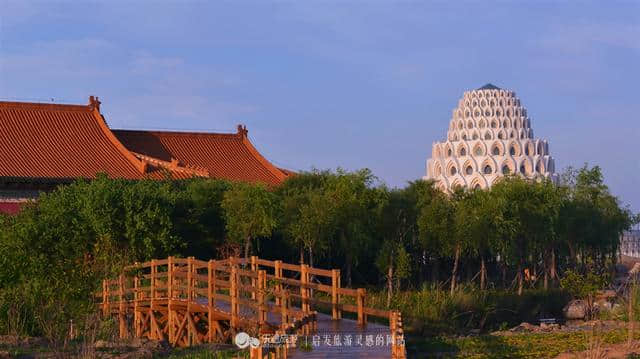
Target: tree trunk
{"x": 546, "y": 280}
{"x": 572, "y": 254}
{"x": 504, "y": 275}
{"x": 312, "y": 278}
{"x": 301, "y": 255}
{"x": 423, "y": 266}
{"x": 348, "y": 258}
{"x": 454, "y": 272}
{"x": 435, "y": 270}
{"x": 247, "y": 246}
{"x": 389, "y": 284}
{"x": 553, "y": 273}
{"x": 520, "y": 277}
{"x": 483, "y": 273}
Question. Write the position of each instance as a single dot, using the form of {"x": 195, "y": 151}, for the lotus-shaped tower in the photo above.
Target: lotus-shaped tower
{"x": 489, "y": 136}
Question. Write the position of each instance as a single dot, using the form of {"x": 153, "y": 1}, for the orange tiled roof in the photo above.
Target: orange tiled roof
{"x": 61, "y": 142}
{"x": 229, "y": 156}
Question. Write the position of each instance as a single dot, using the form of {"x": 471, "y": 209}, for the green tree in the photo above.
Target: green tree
{"x": 250, "y": 212}
{"x": 200, "y": 217}
{"x": 354, "y": 203}
{"x": 591, "y": 219}
{"x": 436, "y": 224}
{"x": 477, "y": 220}
{"x": 393, "y": 228}
{"x": 307, "y": 218}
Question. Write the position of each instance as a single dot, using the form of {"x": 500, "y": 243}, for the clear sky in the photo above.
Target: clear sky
{"x": 340, "y": 83}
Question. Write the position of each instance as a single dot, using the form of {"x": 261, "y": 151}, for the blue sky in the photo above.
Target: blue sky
{"x": 340, "y": 83}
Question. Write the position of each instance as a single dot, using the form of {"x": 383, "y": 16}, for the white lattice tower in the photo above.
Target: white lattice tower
{"x": 489, "y": 135}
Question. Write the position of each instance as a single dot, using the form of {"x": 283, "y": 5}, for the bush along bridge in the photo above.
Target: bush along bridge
{"x": 189, "y": 302}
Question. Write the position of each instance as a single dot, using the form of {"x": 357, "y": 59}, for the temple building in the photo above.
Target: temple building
{"x": 489, "y": 135}
{"x": 45, "y": 145}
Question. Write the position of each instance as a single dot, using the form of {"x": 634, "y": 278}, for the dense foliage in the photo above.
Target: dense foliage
{"x": 519, "y": 234}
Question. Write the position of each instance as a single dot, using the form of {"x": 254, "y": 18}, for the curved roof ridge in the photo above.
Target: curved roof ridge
{"x": 45, "y": 106}
{"x": 231, "y": 135}
{"x": 56, "y": 141}
{"x": 229, "y": 155}
{"x": 94, "y": 105}
{"x": 280, "y": 175}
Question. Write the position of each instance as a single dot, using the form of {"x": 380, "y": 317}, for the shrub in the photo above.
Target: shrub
{"x": 434, "y": 311}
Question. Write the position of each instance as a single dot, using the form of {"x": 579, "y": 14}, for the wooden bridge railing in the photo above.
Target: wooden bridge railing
{"x": 175, "y": 298}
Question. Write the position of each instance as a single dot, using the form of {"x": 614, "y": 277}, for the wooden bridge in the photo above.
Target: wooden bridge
{"x": 187, "y": 302}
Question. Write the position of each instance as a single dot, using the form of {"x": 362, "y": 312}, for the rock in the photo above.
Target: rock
{"x": 549, "y": 327}
{"x": 157, "y": 345}
{"x": 4, "y": 354}
{"x": 575, "y": 309}
{"x": 103, "y": 344}
{"x": 140, "y": 353}
{"x": 474, "y": 332}
{"x": 525, "y": 327}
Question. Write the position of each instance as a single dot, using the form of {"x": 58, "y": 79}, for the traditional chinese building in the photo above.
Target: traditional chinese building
{"x": 45, "y": 145}
{"x": 489, "y": 135}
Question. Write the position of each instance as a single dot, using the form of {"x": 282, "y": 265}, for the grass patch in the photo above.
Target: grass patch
{"x": 432, "y": 311}
{"x": 529, "y": 345}
{"x": 204, "y": 353}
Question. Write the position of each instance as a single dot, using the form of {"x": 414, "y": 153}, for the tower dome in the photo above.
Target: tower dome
{"x": 489, "y": 136}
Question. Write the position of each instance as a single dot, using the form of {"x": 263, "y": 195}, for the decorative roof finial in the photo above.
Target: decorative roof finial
{"x": 242, "y": 130}
{"x": 489, "y": 86}
{"x": 94, "y": 102}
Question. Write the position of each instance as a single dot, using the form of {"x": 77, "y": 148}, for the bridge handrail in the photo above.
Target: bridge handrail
{"x": 250, "y": 285}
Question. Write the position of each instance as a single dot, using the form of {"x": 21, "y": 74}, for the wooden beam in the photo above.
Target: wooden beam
{"x": 210, "y": 299}
{"x": 362, "y": 316}
{"x": 278, "y": 275}
{"x": 335, "y": 284}
{"x": 121, "y": 309}
{"x": 171, "y": 313}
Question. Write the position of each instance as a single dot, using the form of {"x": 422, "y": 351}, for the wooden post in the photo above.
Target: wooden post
{"x": 304, "y": 292}
{"x": 189, "y": 280}
{"x": 233, "y": 293}
{"x": 152, "y": 304}
{"x": 400, "y": 348}
{"x": 190, "y": 333}
{"x": 254, "y": 269}
{"x": 154, "y": 273}
{"x": 362, "y": 317}
{"x": 278, "y": 274}
{"x": 262, "y": 313}
{"x": 392, "y": 327}
{"x": 170, "y": 314}
{"x": 255, "y": 353}
{"x": 339, "y": 295}
{"x": 284, "y": 309}
{"x": 335, "y": 286}
{"x": 136, "y": 314}
{"x": 121, "y": 308}
{"x": 210, "y": 298}
{"x": 105, "y": 298}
